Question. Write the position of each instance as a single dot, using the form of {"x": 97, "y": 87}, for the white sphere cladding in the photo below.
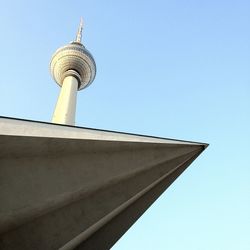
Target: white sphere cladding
{"x": 73, "y": 57}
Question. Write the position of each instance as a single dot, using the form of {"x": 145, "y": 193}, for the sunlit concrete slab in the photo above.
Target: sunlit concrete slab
{"x": 78, "y": 188}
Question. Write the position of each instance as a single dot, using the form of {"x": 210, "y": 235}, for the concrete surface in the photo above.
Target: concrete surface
{"x": 65, "y": 187}
{"x": 66, "y": 104}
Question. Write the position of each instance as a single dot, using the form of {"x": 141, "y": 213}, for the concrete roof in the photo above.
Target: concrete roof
{"x": 79, "y": 188}
{"x": 21, "y": 127}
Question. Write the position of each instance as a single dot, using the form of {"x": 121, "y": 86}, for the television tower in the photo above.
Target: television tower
{"x": 73, "y": 68}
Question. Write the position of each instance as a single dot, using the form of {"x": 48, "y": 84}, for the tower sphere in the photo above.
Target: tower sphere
{"x": 73, "y": 59}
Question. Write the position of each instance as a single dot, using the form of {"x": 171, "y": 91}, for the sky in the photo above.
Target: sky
{"x": 174, "y": 69}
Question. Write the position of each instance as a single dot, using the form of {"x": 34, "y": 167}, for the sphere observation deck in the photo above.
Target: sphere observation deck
{"x": 75, "y": 60}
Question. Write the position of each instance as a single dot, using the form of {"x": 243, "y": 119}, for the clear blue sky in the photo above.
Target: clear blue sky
{"x": 176, "y": 69}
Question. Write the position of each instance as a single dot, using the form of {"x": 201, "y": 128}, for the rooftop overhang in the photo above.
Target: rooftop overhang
{"x": 78, "y": 188}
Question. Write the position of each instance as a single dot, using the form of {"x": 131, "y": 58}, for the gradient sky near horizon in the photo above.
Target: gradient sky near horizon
{"x": 175, "y": 69}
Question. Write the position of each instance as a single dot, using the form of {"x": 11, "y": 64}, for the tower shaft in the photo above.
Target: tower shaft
{"x": 66, "y": 104}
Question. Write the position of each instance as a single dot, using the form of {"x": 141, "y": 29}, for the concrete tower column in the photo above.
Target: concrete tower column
{"x": 66, "y": 104}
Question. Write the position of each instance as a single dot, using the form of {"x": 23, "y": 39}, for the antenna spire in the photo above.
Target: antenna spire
{"x": 79, "y": 32}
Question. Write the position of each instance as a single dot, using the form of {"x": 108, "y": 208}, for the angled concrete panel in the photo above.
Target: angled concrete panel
{"x": 77, "y": 188}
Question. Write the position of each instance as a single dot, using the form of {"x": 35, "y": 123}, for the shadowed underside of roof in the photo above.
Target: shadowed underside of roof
{"x": 77, "y": 188}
